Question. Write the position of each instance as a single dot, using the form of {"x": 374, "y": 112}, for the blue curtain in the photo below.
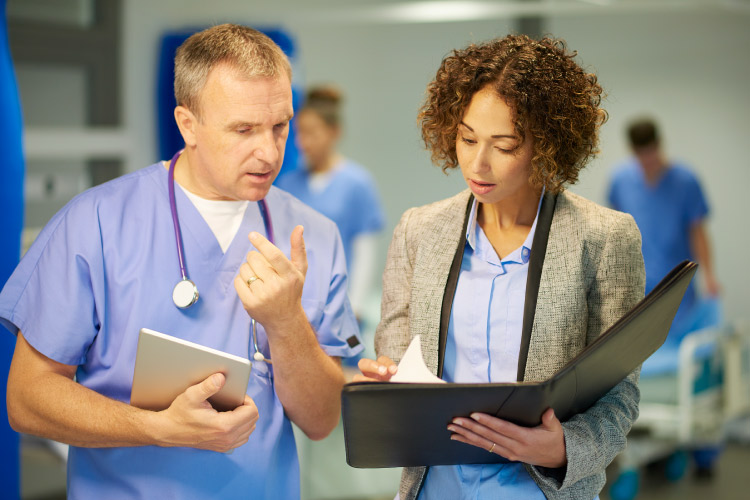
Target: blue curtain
{"x": 11, "y": 223}
{"x": 170, "y": 139}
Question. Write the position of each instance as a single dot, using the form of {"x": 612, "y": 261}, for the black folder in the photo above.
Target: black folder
{"x": 396, "y": 425}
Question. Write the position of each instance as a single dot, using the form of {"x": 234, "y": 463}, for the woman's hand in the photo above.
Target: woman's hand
{"x": 543, "y": 445}
{"x": 375, "y": 371}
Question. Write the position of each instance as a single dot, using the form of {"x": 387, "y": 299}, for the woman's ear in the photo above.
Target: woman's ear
{"x": 186, "y": 122}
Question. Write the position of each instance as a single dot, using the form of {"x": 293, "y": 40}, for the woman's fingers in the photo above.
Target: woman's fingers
{"x": 378, "y": 371}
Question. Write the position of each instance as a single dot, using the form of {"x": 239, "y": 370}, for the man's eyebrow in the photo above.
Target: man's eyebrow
{"x": 240, "y": 124}
{"x": 245, "y": 124}
{"x": 497, "y": 136}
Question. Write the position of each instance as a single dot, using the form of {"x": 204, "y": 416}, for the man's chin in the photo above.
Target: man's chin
{"x": 256, "y": 193}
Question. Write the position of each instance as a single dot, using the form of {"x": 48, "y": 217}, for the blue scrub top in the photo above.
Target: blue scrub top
{"x": 664, "y": 213}
{"x": 350, "y": 200}
{"x": 105, "y": 266}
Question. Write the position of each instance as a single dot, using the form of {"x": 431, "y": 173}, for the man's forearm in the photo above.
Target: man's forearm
{"x": 308, "y": 382}
{"x": 50, "y": 404}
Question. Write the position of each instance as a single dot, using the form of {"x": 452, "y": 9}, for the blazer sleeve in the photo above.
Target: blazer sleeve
{"x": 594, "y": 437}
{"x": 392, "y": 333}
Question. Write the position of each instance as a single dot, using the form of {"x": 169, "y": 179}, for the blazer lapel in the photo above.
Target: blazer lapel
{"x": 432, "y": 264}
{"x": 450, "y": 289}
{"x": 536, "y": 263}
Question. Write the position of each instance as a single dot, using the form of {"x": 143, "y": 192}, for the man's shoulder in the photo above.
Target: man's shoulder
{"x": 129, "y": 191}
{"x": 292, "y": 207}
{"x": 682, "y": 172}
{"x": 625, "y": 171}
{"x": 351, "y": 170}
{"x": 120, "y": 188}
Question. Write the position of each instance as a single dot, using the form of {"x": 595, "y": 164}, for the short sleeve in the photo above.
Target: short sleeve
{"x": 330, "y": 313}
{"x": 696, "y": 207}
{"x": 50, "y": 297}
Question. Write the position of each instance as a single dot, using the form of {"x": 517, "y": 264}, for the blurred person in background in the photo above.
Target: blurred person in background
{"x": 667, "y": 202}
{"x": 337, "y": 187}
{"x": 510, "y": 279}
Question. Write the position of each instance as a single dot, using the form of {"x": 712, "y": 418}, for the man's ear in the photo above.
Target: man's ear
{"x": 186, "y": 121}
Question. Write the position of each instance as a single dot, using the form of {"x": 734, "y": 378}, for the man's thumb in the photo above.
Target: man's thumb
{"x": 211, "y": 386}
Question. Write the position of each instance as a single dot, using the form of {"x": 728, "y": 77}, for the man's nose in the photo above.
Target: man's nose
{"x": 266, "y": 149}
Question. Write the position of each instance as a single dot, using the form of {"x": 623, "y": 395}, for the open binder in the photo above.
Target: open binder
{"x": 397, "y": 425}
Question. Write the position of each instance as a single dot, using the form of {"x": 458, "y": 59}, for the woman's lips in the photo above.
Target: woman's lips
{"x": 478, "y": 187}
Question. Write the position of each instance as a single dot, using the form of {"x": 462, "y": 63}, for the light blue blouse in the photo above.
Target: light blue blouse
{"x": 488, "y": 313}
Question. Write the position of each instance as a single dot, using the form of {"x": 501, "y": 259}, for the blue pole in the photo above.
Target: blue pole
{"x": 11, "y": 223}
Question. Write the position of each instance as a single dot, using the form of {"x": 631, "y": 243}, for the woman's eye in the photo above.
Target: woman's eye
{"x": 468, "y": 141}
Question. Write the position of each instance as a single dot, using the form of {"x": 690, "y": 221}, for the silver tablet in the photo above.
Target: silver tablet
{"x": 165, "y": 366}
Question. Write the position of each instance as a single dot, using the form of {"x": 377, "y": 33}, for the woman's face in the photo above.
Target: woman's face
{"x": 494, "y": 163}
{"x": 315, "y": 138}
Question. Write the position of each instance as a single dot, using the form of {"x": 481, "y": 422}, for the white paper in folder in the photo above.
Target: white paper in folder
{"x": 412, "y": 368}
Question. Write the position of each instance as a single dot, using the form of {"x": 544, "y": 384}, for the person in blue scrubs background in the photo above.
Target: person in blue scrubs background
{"x": 667, "y": 201}
{"x": 105, "y": 266}
{"x": 337, "y": 187}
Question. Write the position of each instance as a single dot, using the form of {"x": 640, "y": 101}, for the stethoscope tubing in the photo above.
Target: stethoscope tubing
{"x": 175, "y": 219}
{"x": 265, "y": 215}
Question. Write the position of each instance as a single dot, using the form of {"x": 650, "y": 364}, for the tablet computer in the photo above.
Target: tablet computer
{"x": 165, "y": 366}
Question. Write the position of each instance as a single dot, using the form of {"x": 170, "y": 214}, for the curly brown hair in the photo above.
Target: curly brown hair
{"x": 552, "y": 97}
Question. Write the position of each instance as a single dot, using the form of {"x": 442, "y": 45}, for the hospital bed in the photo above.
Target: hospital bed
{"x": 690, "y": 393}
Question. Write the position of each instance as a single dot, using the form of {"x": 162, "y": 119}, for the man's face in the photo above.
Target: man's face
{"x": 237, "y": 145}
{"x": 315, "y": 138}
{"x": 650, "y": 159}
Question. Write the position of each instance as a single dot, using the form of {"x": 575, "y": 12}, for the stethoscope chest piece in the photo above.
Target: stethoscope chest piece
{"x": 185, "y": 293}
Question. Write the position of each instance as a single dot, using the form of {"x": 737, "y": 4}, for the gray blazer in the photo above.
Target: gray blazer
{"x": 592, "y": 275}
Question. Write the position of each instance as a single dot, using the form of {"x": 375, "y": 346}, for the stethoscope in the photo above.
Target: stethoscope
{"x": 185, "y": 292}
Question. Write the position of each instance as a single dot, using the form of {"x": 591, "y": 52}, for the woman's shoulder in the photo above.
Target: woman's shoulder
{"x": 435, "y": 219}
{"x": 442, "y": 208}
{"x": 577, "y": 215}
{"x": 582, "y": 210}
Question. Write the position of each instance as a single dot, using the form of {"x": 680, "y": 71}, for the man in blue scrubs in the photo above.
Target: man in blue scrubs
{"x": 667, "y": 202}
{"x": 106, "y": 264}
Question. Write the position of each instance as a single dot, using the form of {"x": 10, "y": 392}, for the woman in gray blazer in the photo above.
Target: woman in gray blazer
{"x": 513, "y": 277}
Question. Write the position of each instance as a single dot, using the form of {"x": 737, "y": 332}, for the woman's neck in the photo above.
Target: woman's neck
{"x": 507, "y": 224}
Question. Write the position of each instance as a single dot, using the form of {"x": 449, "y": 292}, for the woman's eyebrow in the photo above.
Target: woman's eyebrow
{"x": 496, "y": 136}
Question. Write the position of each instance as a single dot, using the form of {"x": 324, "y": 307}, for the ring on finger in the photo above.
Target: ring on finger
{"x": 251, "y": 280}
{"x": 491, "y": 448}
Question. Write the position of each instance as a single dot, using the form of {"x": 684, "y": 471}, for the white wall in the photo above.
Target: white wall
{"x": 689, "y": 68}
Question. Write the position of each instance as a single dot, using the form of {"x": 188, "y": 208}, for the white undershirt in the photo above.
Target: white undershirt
{"x": 223, "y": 217}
